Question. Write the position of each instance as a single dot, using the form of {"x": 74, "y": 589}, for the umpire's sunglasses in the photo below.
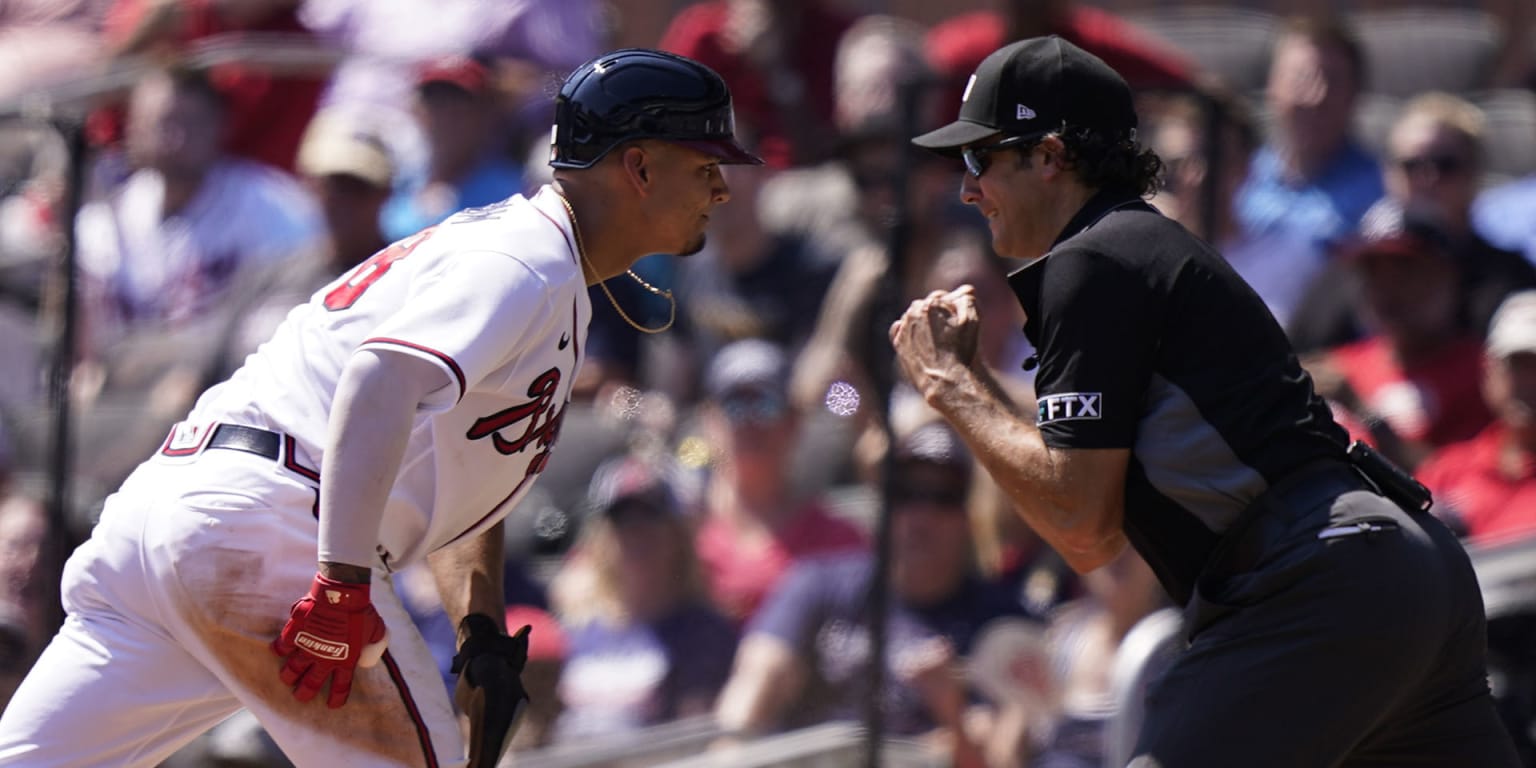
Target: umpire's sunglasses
{"x": 978, "y": 158}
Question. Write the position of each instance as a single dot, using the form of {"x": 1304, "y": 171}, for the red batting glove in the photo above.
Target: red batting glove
{"x": 329, "y": 632}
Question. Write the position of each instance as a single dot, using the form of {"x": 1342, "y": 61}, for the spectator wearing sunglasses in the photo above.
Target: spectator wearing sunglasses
{"x": 1434, "y": 165}
{"x": 756, "y": 523}
{"x": 804, "y": 658}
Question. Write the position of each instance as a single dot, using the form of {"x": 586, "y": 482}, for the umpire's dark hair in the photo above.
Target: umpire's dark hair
{"x": 1112, "y": 161}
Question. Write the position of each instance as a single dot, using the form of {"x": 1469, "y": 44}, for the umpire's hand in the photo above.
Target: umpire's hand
{"x": 936, "y": 339}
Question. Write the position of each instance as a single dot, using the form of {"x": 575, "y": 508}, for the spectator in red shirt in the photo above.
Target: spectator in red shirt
{"x": 1434, "y": 160}
{"x": 1486, "y": 486}
{"x": 1413, "y": 381}
{"x": 754, "y": 527}
{"x": 268, "y": 110}
{"x": 957, "y": 46}
{"x": 778, "y": 57}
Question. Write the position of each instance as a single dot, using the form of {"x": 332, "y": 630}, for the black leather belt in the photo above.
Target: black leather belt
{"x": 262, "y": 442}
{"x": 1266, "y": 519}
{"x": 234, "y": 437}
{"x": 1311, "y": 485}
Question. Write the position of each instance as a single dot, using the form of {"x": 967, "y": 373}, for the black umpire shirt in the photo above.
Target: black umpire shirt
{"x": 1148, "y": 340}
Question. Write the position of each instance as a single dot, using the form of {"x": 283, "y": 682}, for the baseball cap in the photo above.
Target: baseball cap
{"x": 749, "y": 380}
{"x": 1032, "y": 87}
{"x": 934, "y": 446}
{"x": 463, "y": 72}
{"x": 1513, "y": 328}
{"x": 546, "y": 639}
{"x": 630, "y": 483}
{"x": 1390, "y": 228}
{"x": 337, "y": 145}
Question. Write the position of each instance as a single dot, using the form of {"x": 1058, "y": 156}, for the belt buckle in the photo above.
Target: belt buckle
{"x": 188, "y": 438}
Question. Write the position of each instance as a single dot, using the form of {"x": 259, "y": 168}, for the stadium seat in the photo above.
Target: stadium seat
{"x": 1410, "y": 51}
{"x": 1232, "y": 43}
{"x": 1509, "y": 140}
{"x": 1374, "y": 114}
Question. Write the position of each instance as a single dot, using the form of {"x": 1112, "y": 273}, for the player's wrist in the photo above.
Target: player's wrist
{"x": 346, "y": 573}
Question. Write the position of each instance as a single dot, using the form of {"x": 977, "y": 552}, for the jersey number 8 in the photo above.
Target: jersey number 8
{"x": 347, "y": 294}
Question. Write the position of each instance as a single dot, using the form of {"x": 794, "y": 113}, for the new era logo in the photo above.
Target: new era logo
{"x": 1068, "y": 406}
{"x": 322, "y": 648}
{"x": 1024, "y": 113}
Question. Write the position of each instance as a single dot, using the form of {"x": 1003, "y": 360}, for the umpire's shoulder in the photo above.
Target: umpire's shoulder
{"x": 1141, "y": 238}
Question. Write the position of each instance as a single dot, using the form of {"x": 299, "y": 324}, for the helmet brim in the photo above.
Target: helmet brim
{"x": 726, "y": 150}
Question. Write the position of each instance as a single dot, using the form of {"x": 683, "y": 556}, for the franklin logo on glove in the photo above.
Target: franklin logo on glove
{"x": 317, "y": 641}
{"x": 320, "y": 647}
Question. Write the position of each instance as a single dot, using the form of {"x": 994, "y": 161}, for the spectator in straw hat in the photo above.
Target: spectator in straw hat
{"x": 348, "y": 168}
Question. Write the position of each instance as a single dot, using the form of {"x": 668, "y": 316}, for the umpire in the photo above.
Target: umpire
{"x": 1331, "y": 621}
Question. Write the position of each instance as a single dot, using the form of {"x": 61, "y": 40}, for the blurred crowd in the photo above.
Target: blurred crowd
{"x": 701, "y": 544}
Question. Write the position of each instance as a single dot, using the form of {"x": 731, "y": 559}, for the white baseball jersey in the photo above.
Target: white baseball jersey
{"x": 143, "y": 266}
{"x": 495, "y": 296}
{"x": 173, "y": 602}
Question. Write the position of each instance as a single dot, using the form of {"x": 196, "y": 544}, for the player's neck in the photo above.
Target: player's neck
{"x": 606, "y": 248}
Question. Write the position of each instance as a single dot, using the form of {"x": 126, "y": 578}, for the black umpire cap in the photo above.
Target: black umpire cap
{"x": 641, "y": 93}
{"x": 1033, "y": 87}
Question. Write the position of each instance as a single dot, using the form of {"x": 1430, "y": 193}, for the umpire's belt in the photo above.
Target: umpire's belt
{"x": 187, "y": 439}
{"x": 1306, "y": 490}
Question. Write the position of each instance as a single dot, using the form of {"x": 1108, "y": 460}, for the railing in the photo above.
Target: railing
{"x": 699, "y": 743}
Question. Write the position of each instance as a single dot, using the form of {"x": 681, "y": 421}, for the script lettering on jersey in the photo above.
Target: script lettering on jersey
{"x": 484, "y": 212}
{"x": 1068, "y": 406}
{"x": 542, "y": 414}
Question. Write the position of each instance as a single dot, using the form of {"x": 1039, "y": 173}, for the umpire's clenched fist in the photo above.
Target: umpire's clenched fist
{"x": 936, "y": 339}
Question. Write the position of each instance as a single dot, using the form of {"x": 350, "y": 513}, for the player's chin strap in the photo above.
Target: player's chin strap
{"x": 581, "y": 250}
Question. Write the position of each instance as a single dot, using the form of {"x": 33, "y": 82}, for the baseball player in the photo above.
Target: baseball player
{"x": 1331, "y": 620}
{"x": 397, "y": 416}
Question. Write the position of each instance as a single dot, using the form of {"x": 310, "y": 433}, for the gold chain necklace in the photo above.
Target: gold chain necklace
{"x": 581, "y": 250}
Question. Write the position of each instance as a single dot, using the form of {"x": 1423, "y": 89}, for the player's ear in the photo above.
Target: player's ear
{"x": 636, "y": 165}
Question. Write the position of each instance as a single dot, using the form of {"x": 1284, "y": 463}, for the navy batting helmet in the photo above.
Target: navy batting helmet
{"x": 639, "y": 93}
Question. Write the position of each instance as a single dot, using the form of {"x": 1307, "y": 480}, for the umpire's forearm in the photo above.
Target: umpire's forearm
{"x": 1074, "y": 499}
{"x": 468, "y": 576}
